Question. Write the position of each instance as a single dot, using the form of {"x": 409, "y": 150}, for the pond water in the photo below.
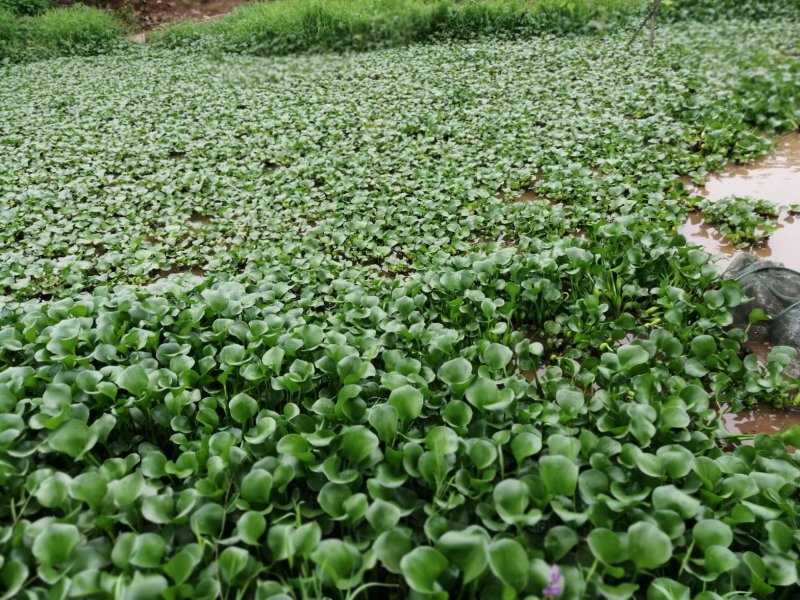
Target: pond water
{"x": 761, "y": 419}
{"x": 776, "y": 178}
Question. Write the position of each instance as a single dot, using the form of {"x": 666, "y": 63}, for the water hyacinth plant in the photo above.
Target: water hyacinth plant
{"x": 554, "y": 581}
{"x": 277, "y": 328}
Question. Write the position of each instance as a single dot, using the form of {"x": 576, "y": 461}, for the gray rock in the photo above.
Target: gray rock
{"x": 776, "y": 290}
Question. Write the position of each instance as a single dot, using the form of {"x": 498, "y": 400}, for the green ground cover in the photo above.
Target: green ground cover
{"x": 75, "y": 30}
{"x": 396, "y": 379}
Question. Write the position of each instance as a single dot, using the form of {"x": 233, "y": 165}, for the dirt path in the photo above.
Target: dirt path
{"x": 156, "y": 12}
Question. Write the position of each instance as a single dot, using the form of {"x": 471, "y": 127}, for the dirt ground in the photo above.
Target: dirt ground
{"x": 147, "y": 14}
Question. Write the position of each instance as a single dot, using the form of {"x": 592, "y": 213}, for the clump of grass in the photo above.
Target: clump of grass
{"x": 76, "y": 30}
{"x": 10, "y": 33}
{"x": 716, "y": 9}
{"x": 288, "y": 26}
{"x": 25, "y": 7}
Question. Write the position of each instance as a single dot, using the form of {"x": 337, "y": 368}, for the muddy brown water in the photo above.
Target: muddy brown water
{"x": 527, "y": 196}
{"x": 762, "y": 419}
{"x": 775, "y": 178}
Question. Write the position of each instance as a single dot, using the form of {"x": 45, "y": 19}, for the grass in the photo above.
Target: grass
{"x": 331, "y": 25}
{"x": 10, "y": 33}
{"x": 76, "y": 30}
{"x": 25, "y": 7}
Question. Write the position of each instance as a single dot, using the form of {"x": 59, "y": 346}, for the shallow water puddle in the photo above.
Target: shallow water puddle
{"x": 527, "y": 196}
{"x": 776, "y": 178}
{"x": 761, "y": 419}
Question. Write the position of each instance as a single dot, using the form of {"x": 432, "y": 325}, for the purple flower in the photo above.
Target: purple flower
{"x": 553, "y": 589}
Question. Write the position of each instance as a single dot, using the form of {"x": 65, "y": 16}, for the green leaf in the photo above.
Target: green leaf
{"x": 467, "y": 550}
{"x": 667, "y": 589}
{"x": 242, "y": 407}
{"x": 332, "y": 498}
{"x": 648, "y": 546}
{"x": 383, "y": 515}
{"x": 511, "y": 499}
{"x": 148, "y": 551}
{"x": 483, "y": 393}
{"x": 442, "y": 440}
{"x": 711, "y": 532}
{"x": 559, "y": 540}
{"x": 383, "y": 419}
{"x": 606, "y": 546}
{"x": 631, "y": 356}
{"x": 250, "y": 527}
{"x": 455, "y": 371}
{"x": 559, "y": 474}
{"x": 703, "y": 345}
{"x": 256, "y": 487}
{"x": 570, "y": 398}
{"x": 181, "y": 565}
{"x": 407, "y": 401}
{"x": 232, "y": 562}
{"x": 497, "y": 356}
{"x": 668, "y": 497}
{"x": 524, "y": 445}
{"x": 73, "y": 438}
{"x": 144, "y": 587}
{"x": 509, "y": 562}
{"x": 55, "y": 543}
{"x": 13, "y": 575}
{"x": 390, "y": 547}
{"x": 358, "y": 443}
{"x": 617, "y": 592}
{"x": 336, "y": 559}
{"x": 720, "y": 560}
{"x": 134, "y": 380}
{"x": 422, "y": 567}
{"x": 781, "y": 536}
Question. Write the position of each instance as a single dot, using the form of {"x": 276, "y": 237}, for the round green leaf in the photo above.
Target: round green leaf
{"x": 509, "y": 562}
{"x": 242, "y": 407}
{"x": 422, "y": 567}
{"x": 455, "y": 371}
{"x": 55, "y": 543}
{"x": 407, "y": 401}
{"x": 559, "y": 474}
{"x": 648, "y": 546}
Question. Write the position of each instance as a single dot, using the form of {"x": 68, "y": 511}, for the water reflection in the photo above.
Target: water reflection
{"x": 775, "y": 178}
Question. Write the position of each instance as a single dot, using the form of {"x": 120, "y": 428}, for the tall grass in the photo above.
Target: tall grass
{"x": 287, "y": 26}
{"x": 10, "y": 33}
{"x": 743, "y": 9}
{"x": 77, "y": 30}
{"x": 25, "y": 7}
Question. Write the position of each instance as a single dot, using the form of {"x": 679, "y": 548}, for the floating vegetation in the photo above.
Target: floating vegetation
{"x": 744, "y": 221}
{"x": 362, "y": 398}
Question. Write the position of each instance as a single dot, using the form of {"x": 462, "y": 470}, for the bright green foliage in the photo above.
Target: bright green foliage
{"x": 10, "y": 33}
{"x": 76, "y": 30}
{"x": 177, "y": 202}
{"x": 25, "y": 7}
{"x": 355, "y": 397}
{"x": 744, "y": 221}
{"x": 290, "y": 26}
